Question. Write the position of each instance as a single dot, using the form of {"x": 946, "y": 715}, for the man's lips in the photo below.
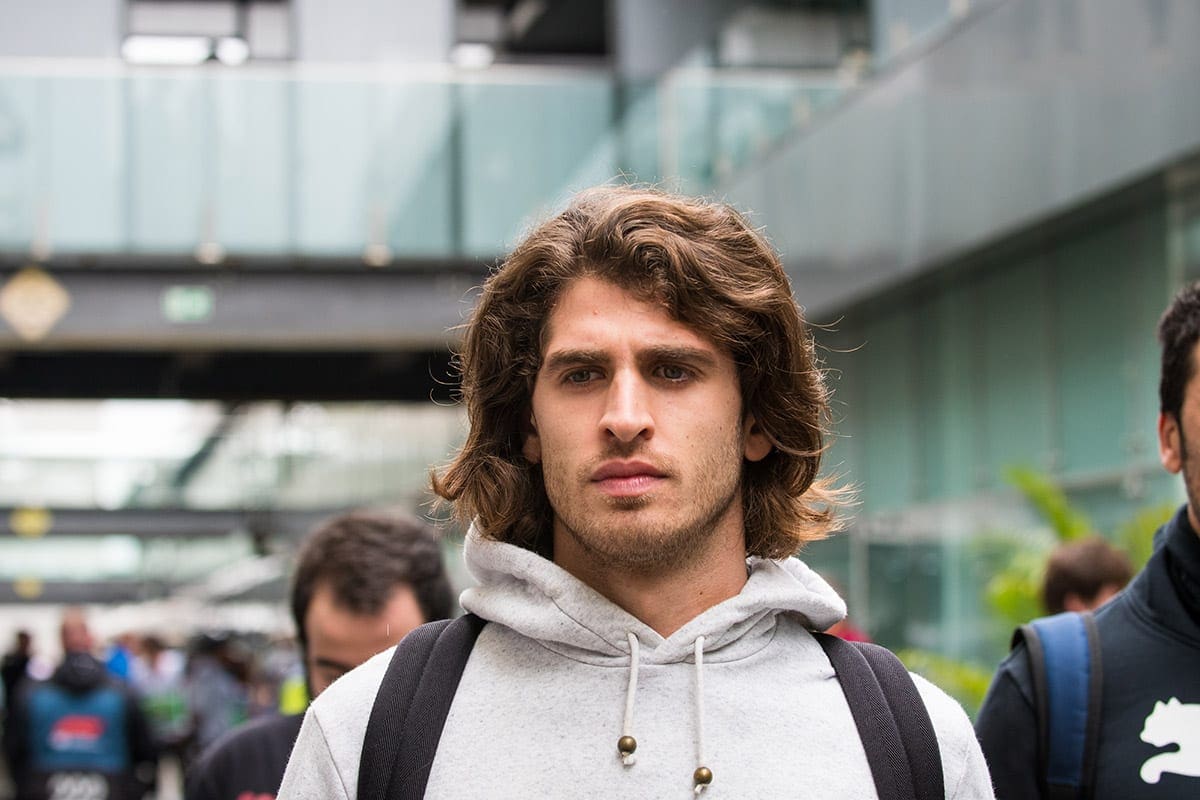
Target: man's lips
{"x": 626, "y": 469}
{"x": 626, "y": 478}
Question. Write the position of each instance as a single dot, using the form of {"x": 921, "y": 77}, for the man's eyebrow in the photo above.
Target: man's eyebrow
{"x": 567, "y": 358}
{"x": 573, "y": 357}
{"x": 329, "y": 663}
{"x": 694, "y": 355}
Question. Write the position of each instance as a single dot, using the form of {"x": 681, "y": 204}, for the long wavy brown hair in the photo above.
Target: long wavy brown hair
{"x": 711, "y": 271}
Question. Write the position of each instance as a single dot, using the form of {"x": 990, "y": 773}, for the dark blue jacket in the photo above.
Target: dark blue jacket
{"x": 1150, "y": 720}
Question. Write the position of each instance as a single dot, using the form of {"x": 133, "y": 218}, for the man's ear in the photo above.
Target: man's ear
{"x": 756, "y": 444}
{"x": 532, "y": 448}
{"x": 1170, "y": 443}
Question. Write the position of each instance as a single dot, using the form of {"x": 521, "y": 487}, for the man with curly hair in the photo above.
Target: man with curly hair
{"x": 647, "y": 421}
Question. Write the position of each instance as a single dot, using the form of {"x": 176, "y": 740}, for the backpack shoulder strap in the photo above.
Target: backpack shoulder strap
{"x": 891, "y": 718}
{"x": 411, "y": 706}
{"x": 1064, "y": 661}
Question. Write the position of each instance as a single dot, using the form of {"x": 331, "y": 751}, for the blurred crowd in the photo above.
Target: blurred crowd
{"x": 189, "y": 691}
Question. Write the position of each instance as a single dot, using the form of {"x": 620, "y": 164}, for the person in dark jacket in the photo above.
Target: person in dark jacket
{"x": 1149, "y": 742}
{"x": 362, "y": 581}
{"x": 80, "y": 733}
{"x": 15, "y": 664}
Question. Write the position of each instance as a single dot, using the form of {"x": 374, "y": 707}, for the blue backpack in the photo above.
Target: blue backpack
{"x": 1064, "y": 660}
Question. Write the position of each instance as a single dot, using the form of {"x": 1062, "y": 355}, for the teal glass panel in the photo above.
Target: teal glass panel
{"x": 412, "y": 181}
{"x": 842, "y": 364}
{"x": 638, "y": 132}
{"x": 947, "y": 390}
{"x": 1016, "y": 356}
{"x": 21, "y": 137}
{"x": 1101, "y": 325}
{"x": 250, "y": 124}
{"x": 333, "y": 138}
{"x": 85, "y": 165}
{"x": 905, "y": 580}
{"x": 889, "y": 445}
{"x": 348, "y": 162}
{"x": 172, "y": 161}
{"x": 526, "y": 147}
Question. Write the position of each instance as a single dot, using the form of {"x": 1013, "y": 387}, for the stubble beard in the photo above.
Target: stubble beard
{"x": 620, "y": 539}
{"x": 1189, "y": 463}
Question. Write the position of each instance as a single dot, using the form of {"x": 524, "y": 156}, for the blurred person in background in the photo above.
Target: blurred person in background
{"x": 362, "y": 581}
{"x": 1146, "y": 725}
{"x": 157, "y": 679}
{"x": 80, "y": 733}
{"x": 1084, "y": 575}
{"x": 121, "y": 655}
{"x": 216, "y": 685}
{"x": 14, "y": 669}
{"x": 15, "y": 666}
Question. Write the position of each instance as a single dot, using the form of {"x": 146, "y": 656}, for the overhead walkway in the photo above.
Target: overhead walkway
{"x": 1012, "y": 114}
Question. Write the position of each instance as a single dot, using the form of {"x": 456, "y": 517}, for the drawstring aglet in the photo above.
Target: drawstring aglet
{"x": 702, "y": 777}
{"x": 626, "y": 745}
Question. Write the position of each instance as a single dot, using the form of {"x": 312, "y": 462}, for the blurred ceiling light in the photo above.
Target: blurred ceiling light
{"x": 473, "y": 55}
{"x": 166, "y": 50}
{"x": 232, "y": 51}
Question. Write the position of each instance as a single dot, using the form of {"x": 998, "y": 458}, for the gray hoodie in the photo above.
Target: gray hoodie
{"x": 562, "y": 673}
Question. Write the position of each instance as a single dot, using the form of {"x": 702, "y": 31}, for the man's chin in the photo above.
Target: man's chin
{"x": 635, "y": 502}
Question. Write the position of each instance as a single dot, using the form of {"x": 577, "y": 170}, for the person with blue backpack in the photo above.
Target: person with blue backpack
{"x": 646, "y": 425}
{"x": 1105, "y": 704}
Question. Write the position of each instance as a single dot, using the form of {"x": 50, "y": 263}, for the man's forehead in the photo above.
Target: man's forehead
{"x": 580, "y": 312}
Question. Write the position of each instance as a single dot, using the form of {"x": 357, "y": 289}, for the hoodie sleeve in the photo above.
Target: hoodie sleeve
{"x": 312, "y": 772}
{"x": 1007, "y": 730}
{"x": 964, "y": 769}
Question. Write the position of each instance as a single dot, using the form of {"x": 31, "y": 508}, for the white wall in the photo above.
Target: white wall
{"x": 60, "y": 28}
{"x": 373, "y": 30}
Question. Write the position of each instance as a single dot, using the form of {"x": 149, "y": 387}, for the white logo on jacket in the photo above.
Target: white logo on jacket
{"x": 1170, "y": 723}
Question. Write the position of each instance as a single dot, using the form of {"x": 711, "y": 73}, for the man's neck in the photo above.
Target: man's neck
{"x": 666, "y": 599}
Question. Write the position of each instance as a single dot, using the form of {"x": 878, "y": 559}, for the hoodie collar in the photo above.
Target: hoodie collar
{"x": 537, "y": 598}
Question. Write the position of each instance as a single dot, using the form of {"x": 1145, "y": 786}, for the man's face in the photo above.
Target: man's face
{"x": 1179, "y": 443}
{"x": 637, "y": 423}
{"x": 339, "y": 640}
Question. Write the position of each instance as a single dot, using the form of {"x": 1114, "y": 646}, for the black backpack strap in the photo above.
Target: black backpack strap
{"x": 891, "y": 718}
{"x": 1064, "y": 663}
{"x": 411, "y": 706}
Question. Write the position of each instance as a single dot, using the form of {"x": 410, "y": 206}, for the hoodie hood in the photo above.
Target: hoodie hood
{"x": 79, "y": 673}
{"x": 538, "y": 599}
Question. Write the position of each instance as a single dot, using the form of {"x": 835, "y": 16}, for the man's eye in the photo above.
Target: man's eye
{"x": 673, "y": 372}
{"x": 579, "y": 376}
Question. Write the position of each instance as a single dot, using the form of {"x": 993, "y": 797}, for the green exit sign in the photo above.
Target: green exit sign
{"x": 188, "y": 304}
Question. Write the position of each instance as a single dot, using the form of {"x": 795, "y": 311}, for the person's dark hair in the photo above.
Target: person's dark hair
{"x": 363, "y": 557}
{"x": 711, "y": 271}
{"x": 1178, "y": 332}
{"x": 1083, "y": 568}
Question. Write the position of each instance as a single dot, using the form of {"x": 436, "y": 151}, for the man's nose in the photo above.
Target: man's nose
{"x": 627, "y": 413}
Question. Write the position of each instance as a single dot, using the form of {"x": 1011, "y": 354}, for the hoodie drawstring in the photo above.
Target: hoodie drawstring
{"x": 703, "y": 776}
{"x": 627, "y": 745}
